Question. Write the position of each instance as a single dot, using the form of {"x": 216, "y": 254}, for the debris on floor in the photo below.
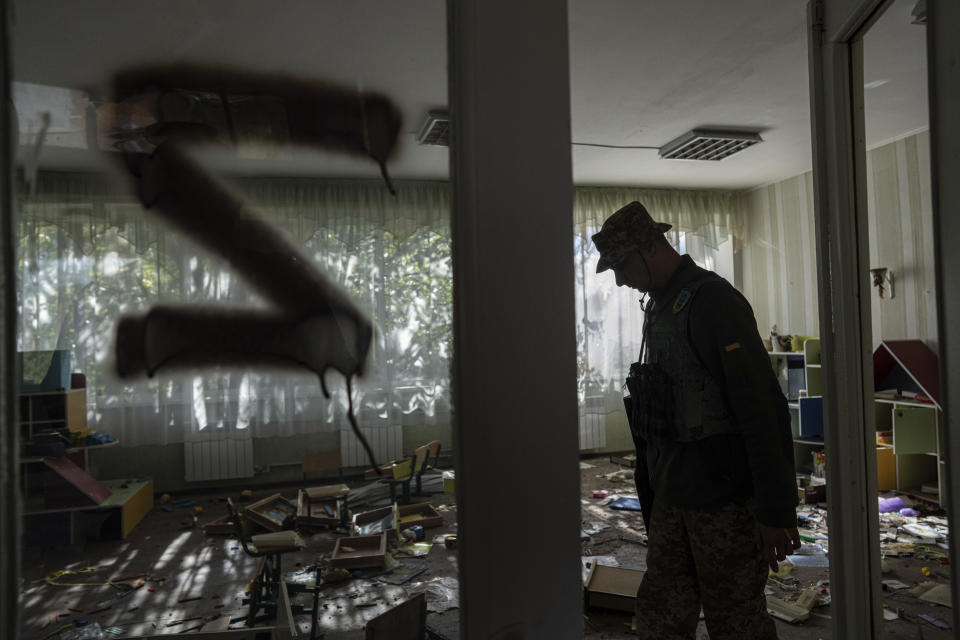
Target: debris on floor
{"x": 443, "y": 593}
{"x": 154, "y": 582}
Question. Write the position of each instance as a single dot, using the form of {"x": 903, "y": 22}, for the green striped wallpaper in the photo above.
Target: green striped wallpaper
{"x": 779, "y": 253}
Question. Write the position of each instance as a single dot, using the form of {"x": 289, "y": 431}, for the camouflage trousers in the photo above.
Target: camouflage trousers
{"x": 708, "y": 558}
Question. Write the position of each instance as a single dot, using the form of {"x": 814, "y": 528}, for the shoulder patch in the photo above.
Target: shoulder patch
{"x": 682, "y": 299}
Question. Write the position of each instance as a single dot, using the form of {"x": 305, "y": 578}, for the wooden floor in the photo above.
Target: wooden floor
{"x": 191, "y": 578}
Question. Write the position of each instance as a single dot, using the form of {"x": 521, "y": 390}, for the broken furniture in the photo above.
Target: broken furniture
{"x": 219, "y": 526}
{"x": 422, "y": 514}
{"x": 324, "y": 504}
{"x": 419, "y": 462}
{"x": 406, "y": 621}
{"x": 358, "y": 552}
{"x": 58, "y": 488}
{"x": 273, "y": 512}
{"x": 268, "y": 591}
{"x": 907, "y": 411}
{"x": 625, "y": 460}
{"x": 382, "y": 520}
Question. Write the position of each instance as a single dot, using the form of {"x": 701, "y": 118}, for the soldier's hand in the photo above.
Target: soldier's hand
{"x": 777, "y": 542}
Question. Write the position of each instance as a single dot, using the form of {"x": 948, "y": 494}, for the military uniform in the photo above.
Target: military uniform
{"x": 714, "y": 457}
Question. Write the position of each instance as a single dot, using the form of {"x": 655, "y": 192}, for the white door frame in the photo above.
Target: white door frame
{"x": 943, "y": 73}
{"x": 514, "y": 374}
{"x": 842, "y": 258}
{"x": 9, "y": 433}
{"x": 836, "y": 29}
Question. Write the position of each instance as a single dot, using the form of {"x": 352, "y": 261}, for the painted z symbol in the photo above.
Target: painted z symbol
{"x": 311, "y": 323}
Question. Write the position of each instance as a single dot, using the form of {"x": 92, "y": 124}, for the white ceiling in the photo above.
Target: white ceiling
{"x": 641, "y": 74}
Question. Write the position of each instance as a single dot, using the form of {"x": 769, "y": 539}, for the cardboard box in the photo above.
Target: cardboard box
{"x": 356, "y": 552}
{"x": 422, "y": 514}
{"x": 612, "y": 588}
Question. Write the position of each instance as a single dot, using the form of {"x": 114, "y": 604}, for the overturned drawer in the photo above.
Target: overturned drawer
{"x": 356, "y": 552}
{"x": 422, "y": 514}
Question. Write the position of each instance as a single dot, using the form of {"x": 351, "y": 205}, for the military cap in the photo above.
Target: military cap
{"x": 630, "y": 228}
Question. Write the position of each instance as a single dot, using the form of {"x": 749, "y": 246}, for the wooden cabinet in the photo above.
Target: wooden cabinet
{"x": 64, "y": 411}
{"x": 907, "y": 413}
{"x": 908, "y": 419}
{"x": 799, "y": 373}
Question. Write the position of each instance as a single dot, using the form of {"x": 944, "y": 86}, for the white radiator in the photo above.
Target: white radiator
{"x": 218, "y": 459}
{"x": 593, "y": 423}
{"x": 386, "y": 442}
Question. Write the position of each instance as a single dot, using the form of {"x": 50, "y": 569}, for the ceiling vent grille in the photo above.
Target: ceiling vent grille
{"x": 435, "y": 129}
{"x": 919, "y": 13}
{"x": 704, "y": 144}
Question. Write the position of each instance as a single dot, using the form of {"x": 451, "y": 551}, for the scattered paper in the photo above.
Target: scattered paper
{"x": 414, "y": 549}
{"x": 809, "y": 550}
{"x": 809, "y": 561}
{"x": 783, "y": 569}
{"x": 401, "y": 574}
{"x": 935, "y": 593}
{"x": 624, "y": 475}
{"x": 890, "y": 615}
{"x": 595, "y": 528}
{"x": 808, "y": 599}
{"x": 442, "y": 593}
{"x": 626, "y": 504}
{"x": 895, "y": 585}
{"x": 926, "y": 533}
{"x": 786, "y": 611}
{"x": 607, "y": 561}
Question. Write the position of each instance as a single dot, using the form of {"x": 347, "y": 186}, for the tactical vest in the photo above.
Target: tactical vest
{"x": 697, "y": 406}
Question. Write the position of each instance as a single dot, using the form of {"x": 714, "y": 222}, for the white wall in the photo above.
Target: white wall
{"x": 779, "y": 256}
{"x": 901, "y": 238}
{"x": 779, "y": 262}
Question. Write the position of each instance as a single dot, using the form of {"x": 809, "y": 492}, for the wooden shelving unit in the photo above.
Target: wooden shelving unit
{"x": 59, "y": 491}
{"x": 799, "y": 373}
{"x": 905, "y": 370}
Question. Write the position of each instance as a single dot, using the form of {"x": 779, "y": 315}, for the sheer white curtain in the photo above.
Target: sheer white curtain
{"x": 609, "y": 319}
{"x": 89, "y": 253}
